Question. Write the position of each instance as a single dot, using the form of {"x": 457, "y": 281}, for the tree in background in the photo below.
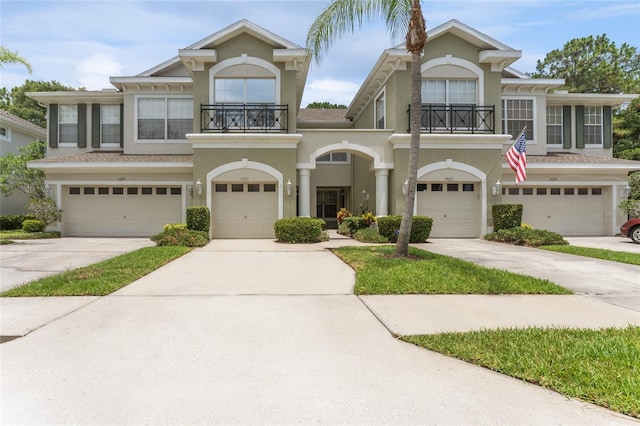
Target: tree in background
{"x": 325, "y": 105}
{"x": 9, "y": 57}
{"x": 593, "y": 65}
{"x": 19, "y": 104}
{"x": 626, "y": 131}
{"x": 16, "y": 177}
{"x": 341, "y": 17}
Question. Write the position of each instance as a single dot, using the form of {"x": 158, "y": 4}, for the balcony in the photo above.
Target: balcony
{"x": 441, "y": 118}
{"x": 244, "y": 118}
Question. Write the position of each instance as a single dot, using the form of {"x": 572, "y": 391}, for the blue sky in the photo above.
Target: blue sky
{"x": 82, "y": 43}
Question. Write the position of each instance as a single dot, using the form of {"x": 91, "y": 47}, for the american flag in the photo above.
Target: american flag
{"x": 517, "y": 157}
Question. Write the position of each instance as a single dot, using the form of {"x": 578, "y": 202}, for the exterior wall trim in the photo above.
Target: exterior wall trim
{"x": 244, "y": 59}
{"x": 440, "y": 165}
{"x": 349, "y": 147}
{"x": 245, "y": 164}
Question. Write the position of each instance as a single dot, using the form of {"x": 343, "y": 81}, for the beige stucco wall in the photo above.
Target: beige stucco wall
{"x": 282, "y": 159}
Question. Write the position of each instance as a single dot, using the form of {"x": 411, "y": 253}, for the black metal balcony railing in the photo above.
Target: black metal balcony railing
{"x": 441, "y": 118}
{"x": 244, "y": 118}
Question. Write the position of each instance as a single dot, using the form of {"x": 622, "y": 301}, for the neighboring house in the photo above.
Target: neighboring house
{"x": 220, "y": 125}
{"x": 15, "y": 133}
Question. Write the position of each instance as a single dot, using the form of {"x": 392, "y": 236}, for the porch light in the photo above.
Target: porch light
{"x": 190, "y": 190}
{"x": 365, "y": 195}
{"x": 199, "y": 187}
{"x": 289, "y": 187}
{"x": 47, "y": 190}
{"x": 624, "y": 192}
{"x": 405, "y": 187}
{"x": 496, "y": 188}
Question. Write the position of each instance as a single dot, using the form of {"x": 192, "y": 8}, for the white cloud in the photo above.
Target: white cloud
{"x": 94, "y": 71}
{"x": 329, "y": 90}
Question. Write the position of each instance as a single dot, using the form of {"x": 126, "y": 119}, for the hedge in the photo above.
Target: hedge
{"x": 299, "y": 230}
{"x": 30, "y": 225}
{"x": 389, "y": 226}
{"x": 198, "y": 218}
{"x": 506, "y": 216}
{"x": 14, "y": 221}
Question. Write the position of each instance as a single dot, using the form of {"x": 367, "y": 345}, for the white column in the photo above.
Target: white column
{"x": 382, "y": 192}
{"x": 304, "y": 192}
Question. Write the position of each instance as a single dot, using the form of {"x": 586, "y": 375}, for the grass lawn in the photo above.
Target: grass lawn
{"x": 616, "y": 256}
{"x": 377, "y": 272}
{"x": 598, "y": 366}
{"x": 18, "y": 234}
{"x": 101, "y": 278}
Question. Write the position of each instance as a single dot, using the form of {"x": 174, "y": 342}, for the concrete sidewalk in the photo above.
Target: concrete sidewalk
{"x": 254, "y": 332}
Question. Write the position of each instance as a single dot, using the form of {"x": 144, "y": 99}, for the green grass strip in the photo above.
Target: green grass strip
{"x": 615, "y": 256}
{"x": 17, "y": 234}
{"x": 100, "y": 278}
{"x": 377, "y": 272}
{"x": 597, "y": 366}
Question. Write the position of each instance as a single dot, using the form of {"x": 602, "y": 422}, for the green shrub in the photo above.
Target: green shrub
{"x": 14, "y": 221}
{"x": 181, "y": 237}
{"x": 172, "y": 226}
{"x": 353, "y": 224}
{"x": 343, "y": 228}
{"x": 33, "y": 225}
{"x": 526, "y": 236}
{"x": 389, "y": 226}
{"x": 299, "y": 230}
{"x": 369, "y": 235}
{"x": 506, "y": 216}
{"x": 198, "y": 218}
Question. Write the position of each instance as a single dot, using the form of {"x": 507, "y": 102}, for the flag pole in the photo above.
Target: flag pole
{"x": 524, "y": 129}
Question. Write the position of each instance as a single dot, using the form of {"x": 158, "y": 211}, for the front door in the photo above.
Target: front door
{"x": 329, "y": 202}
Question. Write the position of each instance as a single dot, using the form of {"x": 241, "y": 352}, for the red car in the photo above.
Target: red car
{"x": 631, "y": 229}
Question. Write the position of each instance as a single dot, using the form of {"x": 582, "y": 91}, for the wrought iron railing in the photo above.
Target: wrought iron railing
{"x": 441, "y": 118}
{"x": 244, "y": 118}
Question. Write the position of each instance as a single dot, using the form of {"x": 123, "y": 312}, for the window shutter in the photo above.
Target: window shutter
{"x": 579, "y": 126}
{"x": 607, "y": 130}
{"x": 566, "y": 127}
{"x": 95, "y": 125}
{"x": 121, "y": 125}
{"x": 82, "y": 125}
{"x": 53, "y": 125}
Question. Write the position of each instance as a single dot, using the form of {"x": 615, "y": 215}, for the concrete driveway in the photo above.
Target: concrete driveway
{"x": 253, "y": 332}
{"x": 27, "y": 260}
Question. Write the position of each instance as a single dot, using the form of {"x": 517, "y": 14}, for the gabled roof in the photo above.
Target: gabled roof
{"x": 490, "y": 51}
{"x": 22, "y": 124}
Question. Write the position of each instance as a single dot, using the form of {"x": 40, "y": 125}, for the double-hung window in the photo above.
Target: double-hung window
{"x": 517, "y": 113}
{"x": 110, "y": 125}
{"x": 593, "y": 125}
{"x": 5, "y": 134}
{"x": 554, "y": 125}
{"x": 68, "y": 124}
{"x": 245, "y": 102}
{"x": 450, "y": 103}
{"x": 164, "y": 118}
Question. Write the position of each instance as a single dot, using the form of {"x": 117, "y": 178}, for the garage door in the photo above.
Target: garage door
{"x": 454, "y": 208}
{"x": 120, "y": 211}
{"x": 244, "y": 209}
{"x": 569, "y": 211}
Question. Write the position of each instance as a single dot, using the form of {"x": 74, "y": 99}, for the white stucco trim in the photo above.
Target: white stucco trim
{"x": 348, "y": 147}
{"x": 240, "y": 60}
{"x": 463, "y": 63}
{"x": 482, "y": 176}
{"x": 245, "y": 164}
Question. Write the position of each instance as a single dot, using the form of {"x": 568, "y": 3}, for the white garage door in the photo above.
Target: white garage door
{"x": 120, "y": 211}
{"x": 244, "y": 209}
{"x": 569, "y": 211}
{"x": 454, "y": 208}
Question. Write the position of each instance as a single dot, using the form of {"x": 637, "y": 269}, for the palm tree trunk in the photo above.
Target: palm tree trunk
{"x": 416, "y": 38}
{"x": 402, "y": 246}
